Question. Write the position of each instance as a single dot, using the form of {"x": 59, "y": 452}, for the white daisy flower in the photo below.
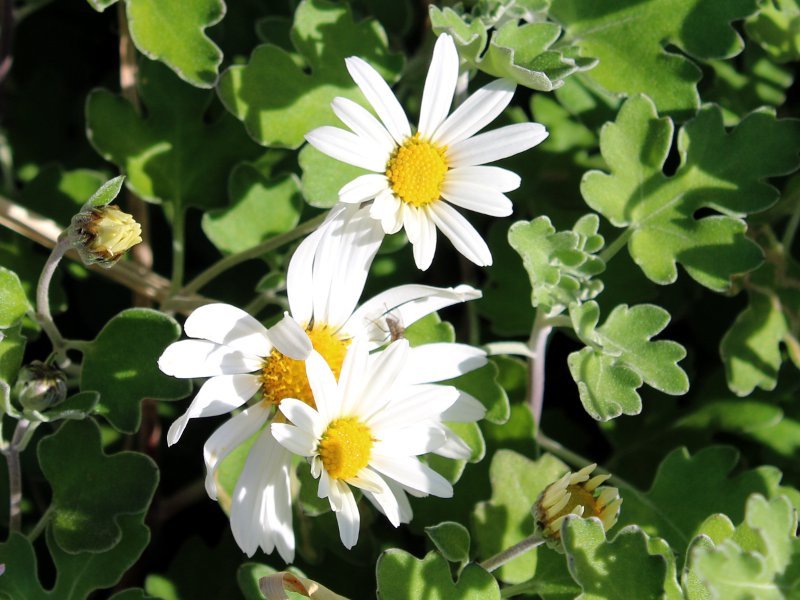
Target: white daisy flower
{"x": 417, "y": 177}
{"x": 366, "y": 431}
{"x": 243, "y": 359}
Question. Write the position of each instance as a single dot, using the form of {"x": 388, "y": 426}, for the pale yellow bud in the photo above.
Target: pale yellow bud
{"x": 575, "y": 494}
{"x": 274, "y": 587}
{"x": 103, "y": 234}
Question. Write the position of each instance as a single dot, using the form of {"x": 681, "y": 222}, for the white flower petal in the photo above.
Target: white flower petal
{"x": 299, "y": 277}
{"x": 477, "y": 111}
{"x": 380, "y": 96}
{"x": 454, "y": 447}
{"x": 412, "y": 405}
{"x": 363, "y": 188}
{"x": 367, "y": 480}
{"x": 363, "y": 124}
{"x": 411, "y": 473}
{"x": 217, "y": 396}
{"x": 324, "y": 489}
{"x": 387, "y": 208}
{"x": 302, "y": 415}
{"x": 496, "y": 144}
{"x": 501, "y": 180}
{"x": 279, "y": 511}
{"x": 229, "y": 436}
{"x": 478, "y": 198}
{"x": 323, "y": 386}
{"x": 425, "y": 246}
{"x": 406, "y": 304}
{"x": 381, "y": 496}
{"x": 465, "y": 409}
{"x": 342, "y": 264}
{"x": 253, "y": 489}
{"x": 384, "y": 371}
{"x": 411, "y": 221}
{"x": 188, "y": 359}
{"x": 406, "y": 513}
{"x": 229, "y": 326}
{"x": 353, "y": 375}
{"x": 460, "y": 233}
{"x": 411, "y": 441}
{"x": 348, "y": 147}
{"x": 442, "y": 360}
{"x": 290, "y": 338}
{"x": 294, "y": 439}
{"x": 440, "y": 85}
{"x": 347, "y": 516}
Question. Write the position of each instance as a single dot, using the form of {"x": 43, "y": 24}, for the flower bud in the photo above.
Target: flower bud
{"x": 40, "y": 386}
{"x": 276, "y": 586}
{"x": 575, "y": 494}
{"x": 102, "y": 234}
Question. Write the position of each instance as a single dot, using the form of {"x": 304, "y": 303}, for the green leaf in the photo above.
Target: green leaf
{"x": 58, "y": 193}
{"x": 92, "y": 490}
{"x": 174, "y": 154}
{"x": 260, "y": 208}
{"x": 506, "y": 518}
{"x": 13, "y": 302}
{"x": 174, "y": 33}
{"x": 527, "y": 54}
{"x": 759, "y": 82}
{"x": 324, "y": 176}
{"x": 620, "y": 356}
{"x": 560, "y": 264}
{"x": 12, "y": 350}
{"x": 279, "y": 101}
{"x": 122, "y": 365}
{"x": 627, "y": 567}
{"x": 107, "y": 192}
{"x": 751, "y": 348}
{"x": 77, "y": 574}
{"x": 759, "y": 560}
{"x": 451, "y": 540}
{"x": 659, "y": 211}
{"x": 629, "y": 40}
{"x": 401, "y": 576}
{"x": 687, "y": 489}
{"x": 776, "y": 28}
{"x": 76, "y": 407}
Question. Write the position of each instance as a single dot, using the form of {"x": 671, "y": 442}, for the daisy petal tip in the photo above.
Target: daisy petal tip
{"x": 176, "y": 430}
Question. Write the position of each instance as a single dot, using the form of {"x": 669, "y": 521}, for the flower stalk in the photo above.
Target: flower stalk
{"x": 498, "y": 560}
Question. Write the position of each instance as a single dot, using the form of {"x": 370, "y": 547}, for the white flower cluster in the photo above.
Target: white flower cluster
{"x": 336, "y": 382}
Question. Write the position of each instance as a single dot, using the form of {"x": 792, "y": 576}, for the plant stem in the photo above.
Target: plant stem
{"x": 43, "y": 314}
{"x": 178, "y": 249}
{"x": 41, "y": 525}
{"x": 791, "y": 227}
{"x": 565, "y": 454}
{"x": 15, "y": 475}
{"x": 232, "y": 260}
{"x": 536, "y": 372}
{"x": 498, "y": 560}
{"x": 515, "y": 590}
{"x": 618, "y": 244}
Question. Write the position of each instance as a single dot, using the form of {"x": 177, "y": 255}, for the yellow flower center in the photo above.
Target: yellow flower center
{"x": 579, "y": 496}
{"x": 345, "y": 447}
{"x": 283, "y": 377}
{"x": 416, "y": 171}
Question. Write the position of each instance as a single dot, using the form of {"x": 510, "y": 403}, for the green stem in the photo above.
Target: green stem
{"x": 178, "y": 249}
{"x": 232, "y": 260}
{"x": 498, "y": 560}
{"x": 15, "y": 475}
{"x": 618, "y": 244}
{"x": 516, "y": 590}
{"x": 43, "y": 314}
{"x": 791, "y": 227}
{"x": 41, "y": 525}
{"x": 536, "y": 371}
{"x": 565, "y": 454}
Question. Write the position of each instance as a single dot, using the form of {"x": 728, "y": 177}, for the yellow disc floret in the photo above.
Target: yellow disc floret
{"x": 345, "y": 447}
{"x": 283, "y": 377}
{"x": 416, "y": 171}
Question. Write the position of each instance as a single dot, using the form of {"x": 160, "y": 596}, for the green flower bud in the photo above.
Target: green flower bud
{"x": 40, "y": 386}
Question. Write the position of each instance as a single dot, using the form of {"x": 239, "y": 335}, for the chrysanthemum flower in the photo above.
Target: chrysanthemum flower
{"x": 416, "y": 177}
{"x": 576, "y": 494}
{"x": 243, "y": 359}
{"x": 366, "y": 431}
